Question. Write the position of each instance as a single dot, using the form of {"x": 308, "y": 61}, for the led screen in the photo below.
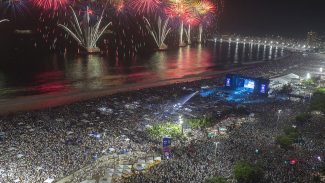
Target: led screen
{"x": 263, "y": 88}
{"x": 228, "y": 82}
{"x": 249, "y": 84}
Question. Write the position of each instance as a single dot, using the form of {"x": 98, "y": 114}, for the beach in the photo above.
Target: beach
{"x": 55, "y": 141}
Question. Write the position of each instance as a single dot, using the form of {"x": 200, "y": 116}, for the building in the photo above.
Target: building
{"x": 312, "y": 39}
{"x": 322, "y": 44}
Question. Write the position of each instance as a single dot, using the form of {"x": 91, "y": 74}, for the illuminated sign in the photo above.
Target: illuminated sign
{"x": 167, "y": 141}
{"x": 228, "y": 82}
{"x": 263, "y": 88}
{"x": 249, "y": 84}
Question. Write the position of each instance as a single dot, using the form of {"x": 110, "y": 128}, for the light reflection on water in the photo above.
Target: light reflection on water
{"x": 59, "y": 74}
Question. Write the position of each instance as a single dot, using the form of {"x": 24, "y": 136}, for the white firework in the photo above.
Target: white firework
{"x": 181, "y": 31}
{"x": 200, "y": 33}
{"x": 84, "y": 32}
{"x": 188, "y": 34}
{"x": 4, "y": 20}
{"x": 159, "y": 35}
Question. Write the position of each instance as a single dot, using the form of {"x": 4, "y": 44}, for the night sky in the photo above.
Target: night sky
{"x": 289, "y": 18}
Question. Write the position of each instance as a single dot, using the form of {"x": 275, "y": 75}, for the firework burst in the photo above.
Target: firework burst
{"x": 144, "y": 6}
{"x": 50, "y": 4}
{"x": 14, "y": 7}
{"x": 177, "y": 8}
{"x": 204, "y": 7}
{"x": 160, "y": 34}
{"x": 84, "y": 32}
{"x": 120, "y": 6}
{"x": 190, "y": 21}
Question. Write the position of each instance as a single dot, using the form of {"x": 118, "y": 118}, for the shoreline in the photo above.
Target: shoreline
{"x": 40, "y": 102}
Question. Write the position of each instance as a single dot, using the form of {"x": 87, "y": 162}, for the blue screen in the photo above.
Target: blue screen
{"x": 228, "y": 82}
{"x": 249, "y": 84}
{"x": 262, "y": 88}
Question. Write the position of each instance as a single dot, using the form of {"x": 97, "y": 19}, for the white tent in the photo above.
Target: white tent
{"x": 292, "y": 76}
{"x": 48, "y": 180}
{"x": 284, "y": 79}
{"x": 88, "y": 181}
{"x": 158, "y": 158}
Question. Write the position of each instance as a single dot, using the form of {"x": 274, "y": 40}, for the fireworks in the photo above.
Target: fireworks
{"x": 191, "y": 20}
{"x": 160, "y": 35}
{"x": 204, "y": 7}
{"x": 84, "y": 32}
{"x": 4, "y": 20}
{"x": 50, "y": 4}
{"x": 120, "y": 6}
{"x": 144, "y": 6}
{"x": 14, "y": 7}
{"x": 177, "y": 8}
{"x": 185, "y": 14}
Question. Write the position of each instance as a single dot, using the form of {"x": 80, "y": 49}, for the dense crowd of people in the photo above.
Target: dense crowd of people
{"x": 53, "y": 143}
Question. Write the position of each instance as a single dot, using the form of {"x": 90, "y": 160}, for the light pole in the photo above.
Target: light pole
{"x": 216, "y": 143}
{"x": 181, "y": 123}
{"x": 279, "y": 112}
{"x": 310, "y": 94}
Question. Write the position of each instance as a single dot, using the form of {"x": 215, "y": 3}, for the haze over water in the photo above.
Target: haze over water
{"x": 61, "y": 73}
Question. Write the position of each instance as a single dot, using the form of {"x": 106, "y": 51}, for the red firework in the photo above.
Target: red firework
{"x": 120, "y": 6}
{"x": 204, "y": 7}
{"x": 177, "y": 8}
{"x": 50, "y": 4}
{"x": 191, "y": 20}
{"x": 144, "y": 6}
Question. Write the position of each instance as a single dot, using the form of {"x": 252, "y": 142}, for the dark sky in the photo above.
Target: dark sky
{"x": 289, "y": 18}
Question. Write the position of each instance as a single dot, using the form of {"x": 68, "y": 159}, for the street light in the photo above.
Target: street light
{"x": 308, "y": 76}
{"x": 279, "y": 112}
{"x": 181, "y": 123}
{"x": 310, "y": 94}
{"x": 321, "y": 69}
{"x": 216, "y": 143}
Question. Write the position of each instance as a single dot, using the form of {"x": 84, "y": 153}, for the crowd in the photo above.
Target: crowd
{"x": 252, "y": 142}
{"x": 53, "y": 143}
